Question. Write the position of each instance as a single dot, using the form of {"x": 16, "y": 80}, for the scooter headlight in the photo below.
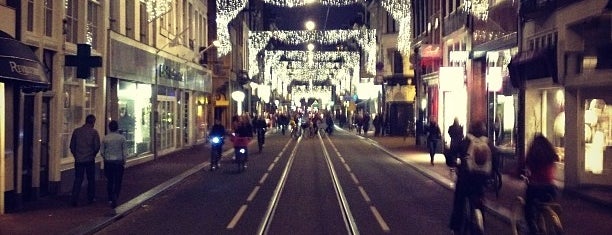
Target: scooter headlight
{"x": 215, "y": 140}
{"x": 242, "y": 150}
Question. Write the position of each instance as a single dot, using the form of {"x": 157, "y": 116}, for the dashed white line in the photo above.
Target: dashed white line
{"x": 236, "y": 218}
{"x": 348, "y": 168}
{"x": 354, "y": 178}
{"x": 381, "y": 221}
{"x": 253, "y": 193}
{"x": 364, "y": 194}
{"x": 263, "y": 178}
{"x": 270, "y": 167}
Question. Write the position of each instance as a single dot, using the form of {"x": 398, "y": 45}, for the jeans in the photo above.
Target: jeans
{"x": 468, "y": 185}
{"x": 114, "y": 176}
{"x": 80, "y": 169}
{"x": 433, "y": 146}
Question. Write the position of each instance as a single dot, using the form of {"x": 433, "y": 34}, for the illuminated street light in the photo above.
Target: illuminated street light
{"x": 310, "y": 25}
{"x": 238, "y": 96}
{"x": 311, "y": 47}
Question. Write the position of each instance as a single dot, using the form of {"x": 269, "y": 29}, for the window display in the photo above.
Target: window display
{"x": 134, "y": 116}
{"x": 597, "y": 135}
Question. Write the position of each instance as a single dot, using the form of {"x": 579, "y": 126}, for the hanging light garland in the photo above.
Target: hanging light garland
{"x": 157, "y": 8}
{"x": 365, "y": 38}
{"x": 400, "y": 11}
{"x": 226, "y": 11}
{"x": 478, "y": 8}
{"x": 306, "y": 92}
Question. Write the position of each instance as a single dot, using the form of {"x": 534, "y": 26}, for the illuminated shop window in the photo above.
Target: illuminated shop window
{"x": 134, "y": 116}
{"x": 597, "y": 136}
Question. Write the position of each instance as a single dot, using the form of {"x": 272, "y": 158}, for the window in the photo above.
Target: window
{"x": 92, "y": 24}
{"x": 71, "y": 22}
{"x": 30, "y": 16}
{"x": 49, "y": 18}
{"x": 144, "y": 24}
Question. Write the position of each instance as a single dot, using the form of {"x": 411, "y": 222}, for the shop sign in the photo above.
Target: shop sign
{"x": 406, "y": 93}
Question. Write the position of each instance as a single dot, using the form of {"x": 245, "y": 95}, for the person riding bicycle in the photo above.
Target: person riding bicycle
{"x": 260, "y": 128}
{"x": 242, "y": 134}
{"x": 540, "y": 162}
{"x": 470, "y": 183}
{"x": 218, "y": 131}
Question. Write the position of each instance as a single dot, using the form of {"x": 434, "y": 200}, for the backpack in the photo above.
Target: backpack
{"x": 479, "y": 157}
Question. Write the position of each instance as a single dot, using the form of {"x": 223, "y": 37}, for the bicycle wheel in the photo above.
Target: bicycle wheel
{"x": 549, "y": 222}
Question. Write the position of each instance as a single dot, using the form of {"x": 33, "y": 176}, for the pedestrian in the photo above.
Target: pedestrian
{"x": 540, "y": 162}
{"x": 113, "y": 151}
{"x": 433, "y": 137}
{"x": 377, "y": 122}
{"x": 455, "y": 132}
{"x": 84, "y": 146}
{"x": 366, "y": 123}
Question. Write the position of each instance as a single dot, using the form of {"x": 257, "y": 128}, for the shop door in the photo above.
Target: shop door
{"x": 44, "y": 146}
{"x": 167, "y": 122}
{"x": 27, "y": 145}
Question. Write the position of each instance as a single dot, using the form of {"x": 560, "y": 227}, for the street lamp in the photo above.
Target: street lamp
{"x": 238, "y": 96}
{"x": 310, "y": 25}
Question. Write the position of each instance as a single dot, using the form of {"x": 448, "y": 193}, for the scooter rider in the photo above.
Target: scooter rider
{"x": 217, "y": 131}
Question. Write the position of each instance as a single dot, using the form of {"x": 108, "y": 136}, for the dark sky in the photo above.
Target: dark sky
{"x": 294, "y": 18}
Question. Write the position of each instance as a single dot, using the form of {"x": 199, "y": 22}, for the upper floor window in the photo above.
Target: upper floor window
{"x": 144, "y": 24}
{"x": 92, "y": 23}
{"x": 30, "y": 16}
{"x": 71, "y": 22}
{"x": 49, "y": 18}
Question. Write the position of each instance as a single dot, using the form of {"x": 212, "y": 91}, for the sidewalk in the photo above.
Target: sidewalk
{"x": 53, "y": 215}
{"x": 583, "y": 212}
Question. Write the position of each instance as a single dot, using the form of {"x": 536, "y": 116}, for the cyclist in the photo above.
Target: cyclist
{"x": 260, "y": 128}
{"x": 470, "y": 184}
{"x": 540, "y": 162}
{"x": 218, "y": 131}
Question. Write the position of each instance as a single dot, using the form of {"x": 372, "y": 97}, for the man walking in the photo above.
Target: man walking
{"x": 84, "y": 145}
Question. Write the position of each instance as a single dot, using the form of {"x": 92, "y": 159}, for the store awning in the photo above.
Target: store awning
{"x": 19, "y": 65}
{"x": 528, "y": 65}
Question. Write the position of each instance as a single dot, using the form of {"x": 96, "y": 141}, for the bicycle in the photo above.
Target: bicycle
{"x": 547, "y": 219}
{"x": 494, "y": 182}
{"x": 216, "y": 149}
{"x": 473, "y": 219}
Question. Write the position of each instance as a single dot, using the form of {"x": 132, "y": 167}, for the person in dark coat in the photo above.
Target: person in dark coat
{"x": 377, "y": 122}
{"x": 433, "y": 137}
{"x": 455, "y": 132}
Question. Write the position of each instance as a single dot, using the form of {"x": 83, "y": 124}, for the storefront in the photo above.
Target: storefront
{"x": 452, "y": 94}
{"x": 22, "y": 77}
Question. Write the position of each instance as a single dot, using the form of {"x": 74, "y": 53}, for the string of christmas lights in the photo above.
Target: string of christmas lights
{"x": 400, "y": 11}
{"x": 157, "y": 8}
{"x": 299, "y": 3}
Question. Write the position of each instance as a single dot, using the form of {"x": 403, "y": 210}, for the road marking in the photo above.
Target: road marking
{"x": 276, "y": 159}
{"x": 381, "y": 221}
{"x": 342, "y": 160}
{"x": 236, "y": 218}
{"x": 263, "y": 178}
{"x": 271, "y": 166}
{"x": 354, "y": 178}
{"x": 253, "y": 193}
{"x": 364, "y": 194}
{"x": 348, "y": 168}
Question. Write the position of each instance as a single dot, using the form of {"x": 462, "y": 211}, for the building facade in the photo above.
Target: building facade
{"x": 150, "y": 81}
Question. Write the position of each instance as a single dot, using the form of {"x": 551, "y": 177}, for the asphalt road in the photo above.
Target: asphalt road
{"x": 323, "y": 185}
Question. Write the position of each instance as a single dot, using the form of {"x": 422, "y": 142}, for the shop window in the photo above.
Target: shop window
{"x": 553, "y": 119}
{"x": 134, "y": 116}
{"x": 597, "y": 136}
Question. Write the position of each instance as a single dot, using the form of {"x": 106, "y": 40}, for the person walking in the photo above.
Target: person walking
{"x": 84, "y": 146}
{"x": 455, "y": 132}
{"x": 434, "y": 135}
{"x": 540, "y": 162}
{"x": 113, "y": 151}
{"x": 377, "y": 122}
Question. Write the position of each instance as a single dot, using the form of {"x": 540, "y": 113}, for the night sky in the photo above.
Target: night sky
{"x": 294, "y": 18}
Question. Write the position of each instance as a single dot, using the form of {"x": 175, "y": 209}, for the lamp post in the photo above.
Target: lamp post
{"x": 238, "y": 96}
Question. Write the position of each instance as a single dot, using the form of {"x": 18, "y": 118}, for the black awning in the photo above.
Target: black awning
{"x": 528, "y": 65}
{"x": 19, "y": 65}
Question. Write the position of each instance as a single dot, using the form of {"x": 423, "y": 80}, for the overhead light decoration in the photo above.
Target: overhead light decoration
{"x": 400, "y": 11}
{"x": 157, "y": 8}
{"x": 299, "y": 3}
{"x": 226, "y": 11}
{"x": 365, "y": 38}
{"x": 478, "y": 8}
{"x": 305, "y": 92}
